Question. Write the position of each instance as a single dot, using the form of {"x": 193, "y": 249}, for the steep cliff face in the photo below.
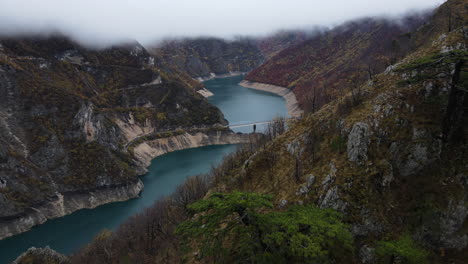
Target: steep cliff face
{"x": 207, "y": 57}
{"x": 150, "y": 149}
{"x": 66, "y": 115}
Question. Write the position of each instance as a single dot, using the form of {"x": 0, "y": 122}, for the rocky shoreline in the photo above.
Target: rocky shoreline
{"x": 149, "y": 150}
{"x": 66, "y": 203}
{"x": 205, "y": 92}
{"x": 63, "y": 204}
{"x": 291, "y": 102}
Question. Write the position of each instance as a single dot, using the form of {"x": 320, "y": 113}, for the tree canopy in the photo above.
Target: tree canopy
{"x": 240, "y": 227}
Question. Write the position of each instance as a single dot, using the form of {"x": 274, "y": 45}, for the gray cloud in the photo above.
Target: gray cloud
{"x": 108, "y": 21}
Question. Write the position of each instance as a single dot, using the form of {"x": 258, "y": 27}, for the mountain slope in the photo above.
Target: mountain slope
{"x": 272, "y": 44}
{"x": 318, "y": 69}
{"x": 394, "y": 165}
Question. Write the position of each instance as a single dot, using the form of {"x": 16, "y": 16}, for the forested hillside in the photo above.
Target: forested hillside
{"x": 321, "y": 68}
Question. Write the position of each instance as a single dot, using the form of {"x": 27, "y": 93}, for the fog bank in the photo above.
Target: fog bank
{"x": 102, "y": 22}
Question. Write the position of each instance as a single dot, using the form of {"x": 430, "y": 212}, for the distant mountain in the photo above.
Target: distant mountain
{"x": 275, "y": 43}
{"x": 318, "y": 69}
{"x": 202, "y": 57}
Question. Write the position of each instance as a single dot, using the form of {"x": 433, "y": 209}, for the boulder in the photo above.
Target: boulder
{"x": 332, "y": 200}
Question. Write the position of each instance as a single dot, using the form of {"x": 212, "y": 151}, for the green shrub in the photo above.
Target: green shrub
{"x": 236, "y": 227}
{"x": 404, "y": 248}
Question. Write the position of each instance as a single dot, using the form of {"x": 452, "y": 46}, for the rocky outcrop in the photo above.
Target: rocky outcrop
{"x": 358, "y": 141}
{"x": 149, "y": 150}
{"x": 66, "y": 203}
{"x": 41, "y": 255}
{"x": 291, "y": 102}
{"x": 205, "y": 92}
{"x": 332, "y": 200}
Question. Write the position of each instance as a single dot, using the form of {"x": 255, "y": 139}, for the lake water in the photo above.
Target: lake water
{"x": 242, "y": 105}
{"x": 69, "y": 233}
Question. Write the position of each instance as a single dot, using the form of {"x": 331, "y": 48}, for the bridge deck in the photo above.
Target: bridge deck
{"x": 249, "y": 124}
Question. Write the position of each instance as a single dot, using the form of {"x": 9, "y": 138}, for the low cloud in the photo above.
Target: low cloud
{"x": 103, "y": 22}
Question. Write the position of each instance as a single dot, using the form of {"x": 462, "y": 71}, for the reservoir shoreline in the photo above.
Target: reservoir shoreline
{"x": 291, "y": 102}
{"x": 66, "y": 203}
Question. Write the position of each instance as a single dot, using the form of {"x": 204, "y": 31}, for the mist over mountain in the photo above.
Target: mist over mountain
{"x": 101, "y": 23}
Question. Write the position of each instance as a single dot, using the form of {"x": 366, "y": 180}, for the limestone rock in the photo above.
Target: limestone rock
{"x": 294, "y": 148}
{"x": 310, "y": 180}
{"x": 41, "y": 255}
{"x": 358, "y": 142}
{"x": 283, "y": 203}
{"x": 330, "y": 176}
{"x": 332, "y": 200}
{"x": 303, "y": 190}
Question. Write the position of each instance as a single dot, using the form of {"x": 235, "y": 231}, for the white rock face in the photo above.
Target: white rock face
{"x": 358, "y": 142}
{"x": 151, "y": 61}
{"x": 155, "y": 81}
{"x": 149, "y": 150}
{"x": 131, "y": 130}
{"x": 332, "y": 200}
{"x": 137, "y": 50}
{"x": 310, "y": 181}
{"x": 90, "y": 125}
{"x": 65, "y": 204}
{"x": 205, "y": 92}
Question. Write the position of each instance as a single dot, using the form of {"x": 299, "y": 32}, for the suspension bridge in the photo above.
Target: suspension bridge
{"x": 249, "y": 124}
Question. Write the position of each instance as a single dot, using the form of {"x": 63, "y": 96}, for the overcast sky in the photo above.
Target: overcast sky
{"x": 104, "y": 21}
